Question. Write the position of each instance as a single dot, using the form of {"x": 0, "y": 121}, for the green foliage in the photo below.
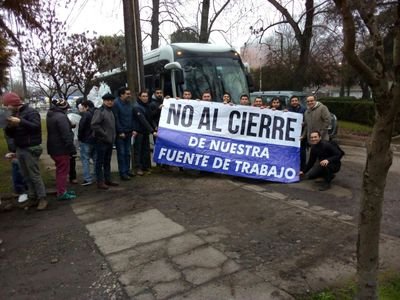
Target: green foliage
{"x": 185, "y": 35}
{"x": 348, "y": 109}
{"x": 354, "y": 128}
{"x": 5, "y": 167}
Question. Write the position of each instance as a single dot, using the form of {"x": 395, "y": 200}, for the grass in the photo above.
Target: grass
{"x": 354, "y": 128}
{"x": 5, "y": 165}
{"x": 389, "y": 289}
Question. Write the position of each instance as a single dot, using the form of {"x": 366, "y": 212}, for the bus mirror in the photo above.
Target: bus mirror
{"x": 173, "y": 66}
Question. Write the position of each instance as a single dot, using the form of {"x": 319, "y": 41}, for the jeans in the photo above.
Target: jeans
{"x": 29, "y": 162}
{"x": 103, "y": 162}
{"x": 87, "y": 152}
{"x": 19, "y": 184}
{"x": 123, "y": 146}
{"x": 62, "y": 171}
{"x": 142, "y": 151}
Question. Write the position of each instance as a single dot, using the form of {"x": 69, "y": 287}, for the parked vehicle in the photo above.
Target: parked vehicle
{"x": 285, "y": 96}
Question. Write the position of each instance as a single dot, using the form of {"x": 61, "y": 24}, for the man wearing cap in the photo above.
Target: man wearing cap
{"x": 103, "y": 126}
{"x": 60, "y": 145}
{"x": 24, "y": 126}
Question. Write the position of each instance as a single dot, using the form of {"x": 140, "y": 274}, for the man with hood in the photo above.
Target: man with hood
{"x": 316, "y": 118}
{"x": 60, "y": 145}
{"x": 24, "y": 126}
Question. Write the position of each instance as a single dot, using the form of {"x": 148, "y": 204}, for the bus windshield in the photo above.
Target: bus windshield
{"x": 216, "y": 74}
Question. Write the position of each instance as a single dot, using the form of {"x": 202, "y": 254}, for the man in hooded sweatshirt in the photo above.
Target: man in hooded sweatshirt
{"x": 316, "y": 118}
{"x": 60, "y": 145}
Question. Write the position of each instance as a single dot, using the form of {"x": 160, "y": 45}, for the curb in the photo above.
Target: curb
{"x": 357, "y": 142}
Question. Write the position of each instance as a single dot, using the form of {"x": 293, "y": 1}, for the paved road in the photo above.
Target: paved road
{"x": 185, "y": 235}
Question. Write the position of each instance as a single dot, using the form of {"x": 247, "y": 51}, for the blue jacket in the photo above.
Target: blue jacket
{"x": 123, "y": 116}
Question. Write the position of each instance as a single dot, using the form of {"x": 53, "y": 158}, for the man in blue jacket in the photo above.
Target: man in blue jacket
{"x": 122, "y": 110}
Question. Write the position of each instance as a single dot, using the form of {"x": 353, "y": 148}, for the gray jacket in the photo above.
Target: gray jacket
{"x": 103, "y": 125}
{"x": 317, "y": 118}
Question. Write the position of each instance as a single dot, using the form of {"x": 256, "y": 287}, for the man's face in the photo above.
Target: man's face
{"x": 108, "y": 102}
{"x": 159, "y": 94}
{"x": 126, "y": 96}
{"x": 314, "y": 138}
{"x": 226, "y": 98}
{"x": 258, "y": 102}
{"x": 144, "y": 97}
{"x": 206, "y": 97}
{"x": 294, "y": 102}
{"x": 244, "y": 100}
{"x": 12, "y": 109}
{"x": 275, "y": 104}
{"x": 187, "y": 95}
{"x": 311, "y": 102}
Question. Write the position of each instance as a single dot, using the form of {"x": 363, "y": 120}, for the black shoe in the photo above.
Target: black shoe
{"x": 131, "y": 175}
{"x": 111, "y": 183}
{"x": 86, "y": 183}
{"x": 125, "y": 178}
{"x": 325, "y": 186}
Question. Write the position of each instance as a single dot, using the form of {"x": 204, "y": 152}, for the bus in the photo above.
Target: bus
{"x": 193, "y": 66}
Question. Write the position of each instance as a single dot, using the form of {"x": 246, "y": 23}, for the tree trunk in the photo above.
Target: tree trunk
{"x": 304, "y": 41}
{"x": 379, "y": 160}
{"x": 366, "y": 93}
{"x": 155, "y": 24}
{"x": 204, "y": 34}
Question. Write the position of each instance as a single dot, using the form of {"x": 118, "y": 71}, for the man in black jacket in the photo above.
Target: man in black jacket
{"x": 143, "y": 125}
{"x": 328, "y": 156}
{"x": 60, "y": 145}
{"x": 24, "y": 126}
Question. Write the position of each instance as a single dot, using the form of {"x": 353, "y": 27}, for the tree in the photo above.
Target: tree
{"x": 25, "y": 13}
{"x": 303, "y": 32}
{"x": 113, "y": 52}
{"x": 385, "y": 86}
{"x": 205, "y": 25}
{"x": 184, "y": 35}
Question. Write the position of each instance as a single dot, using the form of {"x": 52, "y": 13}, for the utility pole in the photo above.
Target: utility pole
{"x": 133, "y": 44}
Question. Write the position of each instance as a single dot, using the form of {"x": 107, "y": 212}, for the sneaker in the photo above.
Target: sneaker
{"x": 42, "y": 204}
{"x": 86, "y": 183}
{"x": 71, "y": 192}
{"x": 125, "y": 178}
{"x": 111, "y": 183}
{"x": 22, "y": 198}
{"x": 66, "y": 196}
{"x": 139, "y": 172}
{"x": 73, "y": 181}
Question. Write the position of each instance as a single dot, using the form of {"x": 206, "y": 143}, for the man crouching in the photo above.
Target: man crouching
{"x": 328, "y": 156}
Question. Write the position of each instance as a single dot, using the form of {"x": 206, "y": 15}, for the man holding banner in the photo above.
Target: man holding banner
{"x": 235, "y": 140}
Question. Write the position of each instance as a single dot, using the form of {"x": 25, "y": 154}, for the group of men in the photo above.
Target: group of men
{"x": 118, "y": 122}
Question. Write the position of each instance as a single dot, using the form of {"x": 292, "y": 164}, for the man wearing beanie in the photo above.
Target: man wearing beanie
{"x": 24, "y": 127}
{"x": 103, "y": 126}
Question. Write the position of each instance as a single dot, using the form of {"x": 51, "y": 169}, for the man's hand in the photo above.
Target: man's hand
{"x": 324, "y": 163}
{"x": 14, "y": 121}
{"x": 122, "y": 135}
{"x": 134, "y": 133}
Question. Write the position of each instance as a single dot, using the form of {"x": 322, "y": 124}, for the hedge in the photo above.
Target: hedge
{"x": 349, "y": 109}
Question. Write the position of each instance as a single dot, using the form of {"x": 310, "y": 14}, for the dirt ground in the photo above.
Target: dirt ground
{"x": 49, "y": 255}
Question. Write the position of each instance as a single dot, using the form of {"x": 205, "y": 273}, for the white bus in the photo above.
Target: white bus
{"x": 192, "y": 66}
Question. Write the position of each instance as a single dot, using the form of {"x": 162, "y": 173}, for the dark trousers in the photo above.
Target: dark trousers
{"x": 124, "y": 146}
{"x": 326, "y": 172}
{"x": 103, "y": 161}
{"x": 19, "y": 184}
{"x": 142, "y": 151}
{"x": 72, "y": 168}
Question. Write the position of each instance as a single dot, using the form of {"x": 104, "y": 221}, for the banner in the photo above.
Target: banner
{"x": 230, "y": 139}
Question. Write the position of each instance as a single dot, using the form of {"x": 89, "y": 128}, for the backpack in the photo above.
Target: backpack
{"x": 334, "y": 143}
